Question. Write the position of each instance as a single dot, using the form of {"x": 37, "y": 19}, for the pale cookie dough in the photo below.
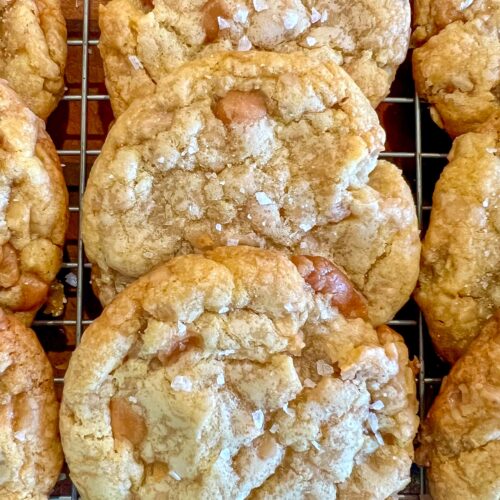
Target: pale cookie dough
{"x": 459, "y": 284}
{"x": 210, "y": 160}
{"x": 143, "y": 41}
{"x": 30, "y": 449}
{"x": 33, "y": 51}
{"x": 33, "y": 208}
{"x": 231, "y": 375}
{"x": 458, "y": 69}
{"x": 461, "y": 436}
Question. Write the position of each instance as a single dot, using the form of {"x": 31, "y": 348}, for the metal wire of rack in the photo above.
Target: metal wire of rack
{"x": 409, "y": 322}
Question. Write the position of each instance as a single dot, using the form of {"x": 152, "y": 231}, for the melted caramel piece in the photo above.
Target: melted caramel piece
{"x": 326, "y": 278}
{"x": 241, "y": 107}
{"x": 9, "y": 269}
{"x": 171, "y": 356}
{"x": 126, "y": 423}
{"x": 267, "y": 448}
{"x": 211, "y": 11}
{"x": 33, "y": 291}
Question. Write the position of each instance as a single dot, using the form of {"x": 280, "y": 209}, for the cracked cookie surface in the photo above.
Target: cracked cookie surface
{"x": 257, "y": 149}
{"x": 459, "y": 287}
{"x": 234, "y": 374}
{"x": 457, "y": 70}
{"x": 143, "y": 41}
{"x": 33, "y": 208}
{"x": 30, "y": 450}
{"x": 33, "y": 51}
{"x": 460, "y": 438}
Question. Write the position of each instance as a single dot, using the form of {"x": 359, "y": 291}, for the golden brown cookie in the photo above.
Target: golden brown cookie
{"x": 230, "y": 375}
{"x": 461, "y": 435}
{"x": 33, "y": 51}
{"x": 259, "y": 149}
{"x": 33, "y": 208}
{"x": 30, "y": 450}
{"x": 457, "y": 70}
{"x": 143, "y": 41}
{"x": 459, "y": 284}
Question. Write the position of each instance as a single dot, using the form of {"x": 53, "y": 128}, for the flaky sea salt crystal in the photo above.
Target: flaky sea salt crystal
{"x": 242, "y": 190}
{"x": 134, "y": 61}
{"x": 306, "y": 226}
{"x": 174, "y": 474}
{"x": 232, "y": 243}
{"x": 309, "y": 383}
{"x": 317, "y": 445}
{"x": 182, "y": 383}
{"x": 20, "y": 435}
{"x": 290, "y": 19}
{"x": 249, "y": 217}
{"x": 315, "y": 15}
{"x": 225, "y": 454}
{"x": 323, "y": 368}
{"x": 311, "y": 41}
{"x": 218, "y": 227}
{"x": 289, "y": 411}
{"x": 263, "y": 199}
{"x": 324, "y": 16}
{"x": 227, "y": 352}
{"x": 486, "y": 202}
{"x": 274, "y": 429}
{"x": 223, "y": 23}
{"x": 132, "y": 399}
{"x": 258, "y": 418}
{"x": 289, "y": 307}
{"x": 221, "y": 380}
{"x": 491, "y": 150}
{"x": 377, "y": 405}
{"x": 244, "y": 44}
{"x": 373, "y": 422}
{"x": 465, "y": 4}
{"x": 71, "y": 279}
{"x": 223, "y": 310}
{"x": 181, "y": 328}
{"x": 260, "y": 5}
{"x": 241, "y": 14}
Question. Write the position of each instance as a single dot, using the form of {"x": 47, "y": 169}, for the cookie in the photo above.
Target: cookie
{"x": 30, "y": 449}
{"x": 458, "y": 288}
{"x": 458, "y": 70}
{"x": 33, "y": 51}
{"x": 258, "y": 149}
{"x": 33, "y": 208}
{"x": 143, "y": 41}
{"x": 460, "y": 438}
{"x": 233, "y": 375}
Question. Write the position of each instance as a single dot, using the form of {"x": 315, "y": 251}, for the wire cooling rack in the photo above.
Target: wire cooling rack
{"x": 78, "y": 128}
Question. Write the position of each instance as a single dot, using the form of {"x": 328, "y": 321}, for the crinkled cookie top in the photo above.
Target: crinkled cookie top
{"x": 30, "y": 450}
{"x": 33, "y": 208}
{"x": 458, "y": 70}
{"x": 143, "y": 41}
{"x": 260, "y": 149}
{"x": 461, "y": 436}
{"x": 459, "y": 284}
{"x": 33, "y": 51}
{"x": 235, "y": 374}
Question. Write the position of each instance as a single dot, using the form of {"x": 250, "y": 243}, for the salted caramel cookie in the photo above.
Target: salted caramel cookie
{"x": 459, "y": 284}
{"x": 143, "y": 41}
{"x": 33, "y": 208}
{"x": 236, "y": 374}
{"x": 259, "y": 149}
{"x": 458, "y": 69}
{"x": 30, "y": 449}
{"x": 461, "y": 435}
{"x": 33, "y": 51}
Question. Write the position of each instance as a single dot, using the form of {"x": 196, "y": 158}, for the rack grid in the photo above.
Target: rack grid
{"x": 412, "y": 142}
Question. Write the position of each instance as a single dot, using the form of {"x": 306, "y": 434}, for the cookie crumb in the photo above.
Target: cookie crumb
{"x": 181, "y": 383}
{"x": 258, "y": 419}
{"x": 323, "y": 368}
{"x": 134, "y": 60}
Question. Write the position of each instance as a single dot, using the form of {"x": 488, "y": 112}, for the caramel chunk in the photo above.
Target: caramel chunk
{"x": 241, "y": 107}
{"x": 212, "y": 10}
{"x": 324, "y": 277}
{"x": 33, "y": 292}
{"x": 9, "y": 269}
{"x": 173, "y": 354}
{"x": 126, "y": 423}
